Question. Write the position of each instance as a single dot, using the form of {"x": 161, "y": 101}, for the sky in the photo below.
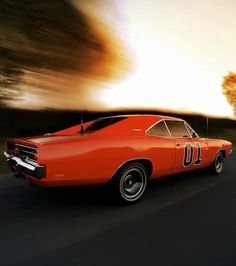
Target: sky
{"x": 182, "y": 51}
{"x": 111, "y": 54}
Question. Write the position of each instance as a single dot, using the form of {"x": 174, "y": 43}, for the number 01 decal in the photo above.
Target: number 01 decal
{"x": 189, "y": 154}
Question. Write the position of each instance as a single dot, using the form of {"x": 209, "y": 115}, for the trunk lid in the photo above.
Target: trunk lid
{"x": 41, "y": 140}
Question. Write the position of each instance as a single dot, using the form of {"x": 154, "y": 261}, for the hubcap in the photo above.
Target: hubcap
{"x": 132, "y": 183}
{"x": 219, "y": 163}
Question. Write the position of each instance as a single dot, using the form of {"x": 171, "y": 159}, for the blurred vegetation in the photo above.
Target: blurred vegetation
{"x": 229, "y": 89}
{"x": 43, "y": 37}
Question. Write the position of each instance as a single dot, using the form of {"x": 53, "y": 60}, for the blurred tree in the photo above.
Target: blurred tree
{"x": 9, "y": 79}
{"x": 47, "y": 34}
{"x": 43, "y": 35}
{"x": 229, "y": 89}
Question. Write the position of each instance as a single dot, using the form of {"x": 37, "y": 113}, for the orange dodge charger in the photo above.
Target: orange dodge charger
{"x": 125, "y": 151}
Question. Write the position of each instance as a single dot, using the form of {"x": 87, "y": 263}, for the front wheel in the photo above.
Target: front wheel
{"x": 130, "y": 182}
{"x": 217, "y": 165}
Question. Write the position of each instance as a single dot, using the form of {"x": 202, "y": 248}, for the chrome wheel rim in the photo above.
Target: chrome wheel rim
{"x": 133, "y": 183}
{"x": 219, "y": 163}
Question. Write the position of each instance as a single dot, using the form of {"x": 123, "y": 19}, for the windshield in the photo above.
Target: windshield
{"x": 102, "y": 123}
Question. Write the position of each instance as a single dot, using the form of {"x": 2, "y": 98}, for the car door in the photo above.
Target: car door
{"x": 184, "y": 146}
{"x": 163, "y": 149}
{"x": 200, "y": 146}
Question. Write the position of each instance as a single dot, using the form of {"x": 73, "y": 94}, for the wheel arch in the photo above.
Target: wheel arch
{"x": 214, "y": 169}
{"x": 223, "y": 152}
{"x": 144, "y": 161}
{"x": 217, "y": 151}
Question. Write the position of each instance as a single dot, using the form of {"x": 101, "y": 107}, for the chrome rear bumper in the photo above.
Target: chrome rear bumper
{"x": 25, "y": 166}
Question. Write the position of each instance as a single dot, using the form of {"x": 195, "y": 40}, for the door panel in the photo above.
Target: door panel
{"x": 190, "y": 154}
{"x": 201, "y": 152}
{"x": 184, "y": 154}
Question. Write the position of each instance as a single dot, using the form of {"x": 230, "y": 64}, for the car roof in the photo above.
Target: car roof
{"x": 148, "y": 116}
{"x": 140, "y": 122}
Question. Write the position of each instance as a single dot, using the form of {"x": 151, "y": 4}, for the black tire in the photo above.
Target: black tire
{"x": 216, "y": 167}
{"x": 129, "y": 183}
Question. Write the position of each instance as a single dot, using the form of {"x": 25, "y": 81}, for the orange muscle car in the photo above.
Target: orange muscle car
{"x": 125, "y": 151}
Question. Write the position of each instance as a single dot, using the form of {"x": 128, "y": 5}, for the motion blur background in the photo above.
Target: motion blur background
{"x": 103, "y": 57}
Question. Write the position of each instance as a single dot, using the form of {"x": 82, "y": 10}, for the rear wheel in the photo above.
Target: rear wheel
{"x": 130, "y": 182}
{"x": 217, "y": 165}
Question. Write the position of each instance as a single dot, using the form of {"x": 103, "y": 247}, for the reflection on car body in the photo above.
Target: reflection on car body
{"x": 125, "y": 151}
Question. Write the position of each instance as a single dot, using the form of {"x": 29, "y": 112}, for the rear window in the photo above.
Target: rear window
{"x": 102, "y": 123}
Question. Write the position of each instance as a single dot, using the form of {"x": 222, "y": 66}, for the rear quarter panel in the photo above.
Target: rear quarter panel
{"x": 95, "y": 160}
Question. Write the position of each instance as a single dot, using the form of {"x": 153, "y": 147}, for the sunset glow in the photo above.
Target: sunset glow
{"x": 163, "y": 79}
{"x": 169, "y": 74}
{"x": 111, "y": 55}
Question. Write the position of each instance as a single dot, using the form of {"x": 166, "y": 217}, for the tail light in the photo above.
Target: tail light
{"x": 20, "y": 150}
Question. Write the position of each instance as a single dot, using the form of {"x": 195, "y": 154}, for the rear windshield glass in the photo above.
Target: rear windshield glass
{"x": 102, "y": 123}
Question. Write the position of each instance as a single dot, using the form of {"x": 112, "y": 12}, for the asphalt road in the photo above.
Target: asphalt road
{"x": 187, "y": 219}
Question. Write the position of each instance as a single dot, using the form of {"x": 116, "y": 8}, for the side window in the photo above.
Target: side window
{"x": 177, "y": 129}
{"x": 192, "y": 133}
{"x": 159, "y": 130}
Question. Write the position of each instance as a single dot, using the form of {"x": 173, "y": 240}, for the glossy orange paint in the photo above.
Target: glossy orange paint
{"x": 72, "y": 159}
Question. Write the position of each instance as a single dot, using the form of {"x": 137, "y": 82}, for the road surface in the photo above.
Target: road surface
{"x": 187, "y": 219}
